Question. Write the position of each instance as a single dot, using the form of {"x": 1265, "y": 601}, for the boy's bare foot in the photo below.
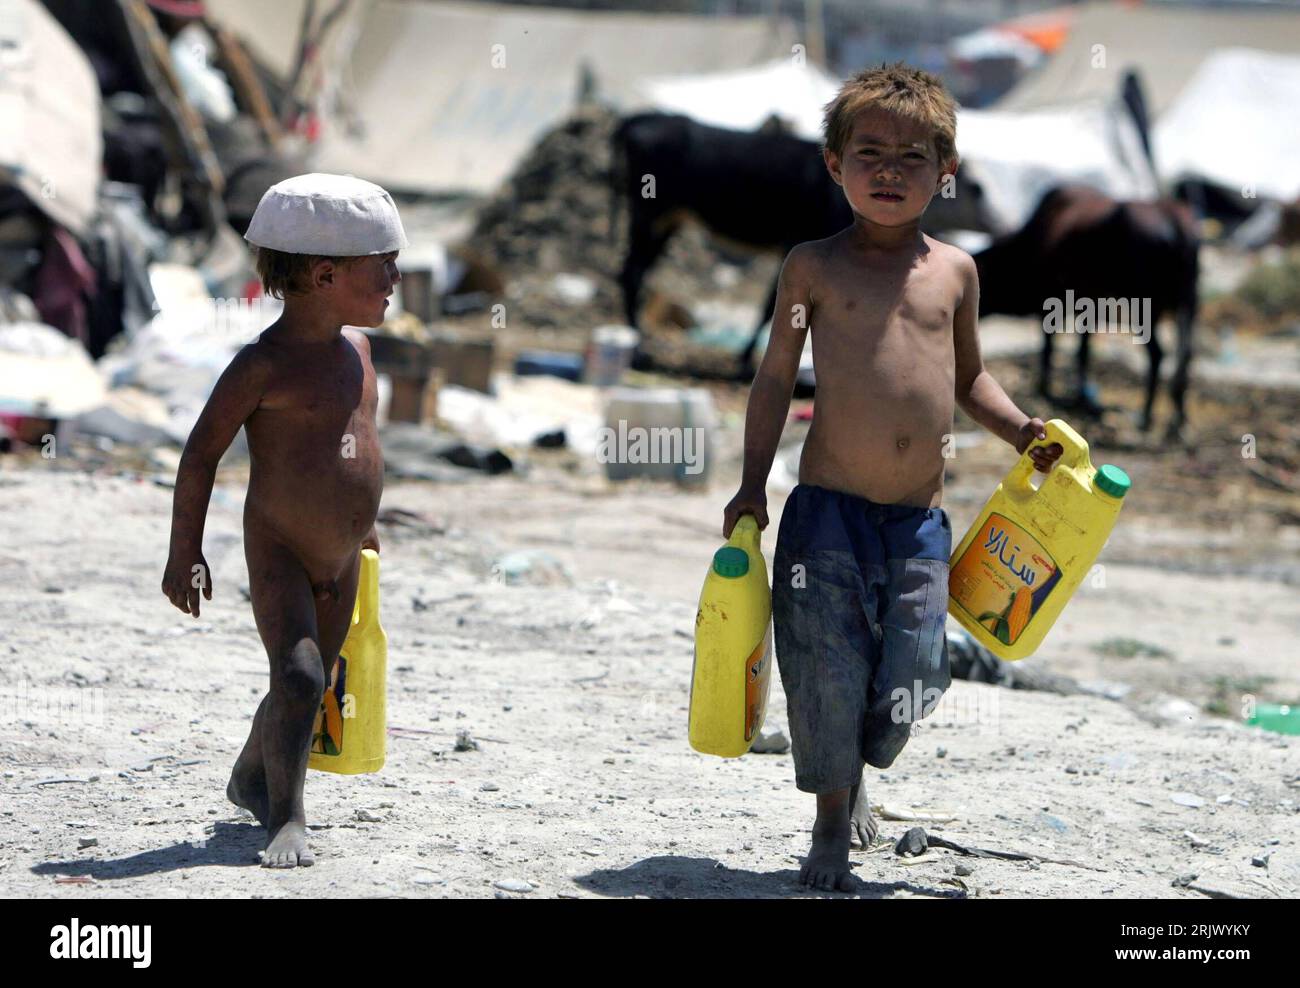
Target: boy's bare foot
{"x": 862, "y": 824}
{"x": 287, "y": 848}
{"x": 247, "y": 788}
{"x": 826, "y": 867}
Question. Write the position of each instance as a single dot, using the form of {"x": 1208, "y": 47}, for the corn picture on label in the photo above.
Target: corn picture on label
{"x": 757, "y": 671}
{"x": 327, "y": 733}
{"x": 1003, "y": 578}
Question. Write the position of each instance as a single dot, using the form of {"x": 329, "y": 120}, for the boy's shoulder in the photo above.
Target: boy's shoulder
{"x": 805, "y": 260}
{"x": 358, "y": 339}
{"x": 255, "y": 356}
{"x": 949, "y": 253}
{"x": 812, "y": 251}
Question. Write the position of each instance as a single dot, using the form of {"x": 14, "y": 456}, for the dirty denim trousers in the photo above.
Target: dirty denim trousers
{"x": 859, "y": 600}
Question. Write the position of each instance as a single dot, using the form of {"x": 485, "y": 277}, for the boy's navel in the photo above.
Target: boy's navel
{"x": 902, "y": 442}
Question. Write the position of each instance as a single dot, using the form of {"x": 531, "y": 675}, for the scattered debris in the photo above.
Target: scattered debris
{"x": 916, "y": 841}
{"x": 60, "y": 779}
{"x": 907, "y": 814}
{"x": 534, "y": 567}
{"x": 912, "y": 843}
{"x": 512, "y": 885}
{"x": 1127, "y": 648}
{"x": 770, "y": 741}
{"x": 465, "y": 741}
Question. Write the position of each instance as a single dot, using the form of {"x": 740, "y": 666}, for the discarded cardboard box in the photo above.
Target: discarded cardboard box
{"x": 467, "y": 363}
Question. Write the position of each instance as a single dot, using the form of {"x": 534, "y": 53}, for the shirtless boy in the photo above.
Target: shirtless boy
{"x": 304, "y": 392}
{"x": 860, "y": 575}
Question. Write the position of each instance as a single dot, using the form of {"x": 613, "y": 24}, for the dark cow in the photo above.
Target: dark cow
{"x": 1083, "y": 241}
{"x": 764, "y": 190}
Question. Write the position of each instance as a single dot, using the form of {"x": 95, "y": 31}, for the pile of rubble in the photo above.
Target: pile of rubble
{"x": 558, "y": 234}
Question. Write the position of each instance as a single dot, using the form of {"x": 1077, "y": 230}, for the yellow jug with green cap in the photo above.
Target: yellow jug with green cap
{"x": 350, "y": 734}
{"x": 733, "y": 647}
{"x": 1032, "y": 544}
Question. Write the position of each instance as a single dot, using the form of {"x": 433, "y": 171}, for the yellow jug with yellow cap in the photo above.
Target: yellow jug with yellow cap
{"x": 350, "y": 733}
{"x": 733, "y": 647}
{"x": 1032, "y": 545}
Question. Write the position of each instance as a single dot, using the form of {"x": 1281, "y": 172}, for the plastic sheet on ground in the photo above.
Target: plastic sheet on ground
{"x": 45, "y": 374}
{"x": 179, "y": 354}
{"x": 522, "y": 409}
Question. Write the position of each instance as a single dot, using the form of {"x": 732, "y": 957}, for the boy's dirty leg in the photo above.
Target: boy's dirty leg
{"x": 827, "y": 865}
{"x": 247, "y": 785}
{"x": 286, "y": 619}
{"x": 285, "y": 612}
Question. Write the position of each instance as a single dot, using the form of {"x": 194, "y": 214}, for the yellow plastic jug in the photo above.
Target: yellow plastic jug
{"x": 350, "y": 734}
{"x": 1031, "y": 546}
{"x": 733, "y": 647}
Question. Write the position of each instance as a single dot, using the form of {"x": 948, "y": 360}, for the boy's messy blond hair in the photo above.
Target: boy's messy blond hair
{"x": 284, "y": 274}
{"x": 907, "y": 92}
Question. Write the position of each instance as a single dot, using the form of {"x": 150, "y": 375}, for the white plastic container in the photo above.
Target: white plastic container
{"x": 658, "y": 433}
{"x": 609, "y": 354}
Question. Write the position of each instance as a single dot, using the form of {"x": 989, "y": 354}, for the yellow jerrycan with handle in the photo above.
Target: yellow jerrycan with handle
{"x": 1032, "y": 545}
{"x": 733, "y": 647}
{"x": 350, "y": 734}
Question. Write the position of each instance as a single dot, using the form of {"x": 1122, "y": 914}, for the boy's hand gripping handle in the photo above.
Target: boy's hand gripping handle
{"x": 1074, "y": 454}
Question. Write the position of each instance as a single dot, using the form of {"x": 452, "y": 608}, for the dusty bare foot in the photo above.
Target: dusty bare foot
{"x": 862, "y": 825}
{"x": 287, "y": 848}
{"x": 826, "y": 867}
{"x": 247, "y": 788}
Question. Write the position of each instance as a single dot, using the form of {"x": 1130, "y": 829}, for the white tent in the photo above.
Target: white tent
{"x": 449, "y": 96}
{"x": 1016, "y": 157}
{"x": 1166, "y": 42}
{"x": 1235, "y": 125}
{"x": 744, "y": 99}
{"x": 50, "y": 143}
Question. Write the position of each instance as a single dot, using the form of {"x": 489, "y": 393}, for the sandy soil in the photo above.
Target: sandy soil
{"x": 574, "y": 680}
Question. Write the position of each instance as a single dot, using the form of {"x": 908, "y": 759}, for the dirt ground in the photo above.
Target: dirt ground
{"x": 121, "y": 718}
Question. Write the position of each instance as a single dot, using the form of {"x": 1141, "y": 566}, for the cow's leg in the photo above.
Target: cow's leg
{"x": 1154, "y": 355}
{"x": 646, "y": 241}
{"x": 1045, "y": 366}
{"x": 744, "y": 369}
{"x": 1182, "y": 369}
{"x": 1087, "y": 401}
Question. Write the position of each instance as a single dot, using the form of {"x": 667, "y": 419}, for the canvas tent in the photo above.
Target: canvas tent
{"x": 1017, "y": 157}
{"x": 1167, "y": 42}
{"x": 50, "y": 141}
{"x": 449, "y": 96}
{"x": 1234, "y": 125}
{"x": 744, "y": 99}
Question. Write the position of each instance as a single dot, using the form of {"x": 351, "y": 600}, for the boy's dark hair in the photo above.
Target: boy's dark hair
{"x": 910, "y": 93}
{"x": 284, "y": 274}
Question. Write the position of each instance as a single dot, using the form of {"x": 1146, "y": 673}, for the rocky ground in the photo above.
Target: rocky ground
{"x": 550, "y": 617}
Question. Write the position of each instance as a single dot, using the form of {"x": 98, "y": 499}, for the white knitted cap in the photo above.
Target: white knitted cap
{"x": 334, "y": 215}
